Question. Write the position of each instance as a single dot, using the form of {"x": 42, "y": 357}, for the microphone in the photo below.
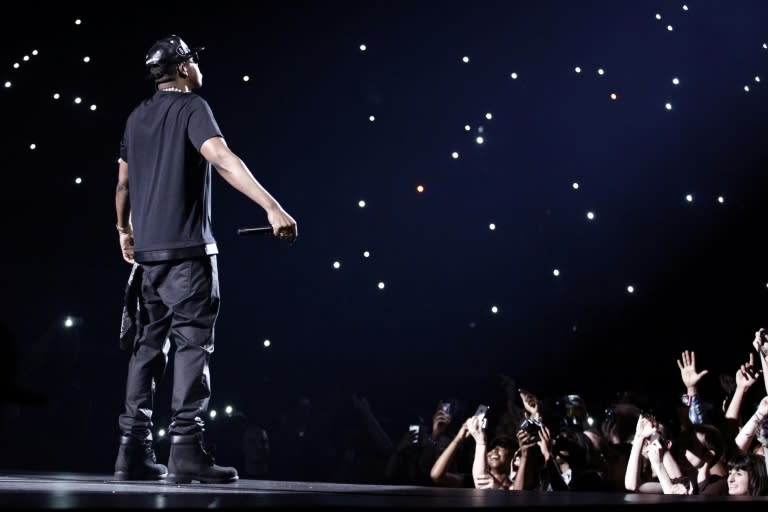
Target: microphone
{"x": 261, "y": 230}
{"x": 267, "y": 230}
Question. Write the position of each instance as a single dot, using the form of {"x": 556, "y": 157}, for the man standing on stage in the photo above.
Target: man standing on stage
{"x": 169, "y": 144}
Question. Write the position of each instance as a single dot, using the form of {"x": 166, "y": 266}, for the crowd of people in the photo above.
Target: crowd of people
{"x": 697, "y": 447}
{"x": 702, "y": 449}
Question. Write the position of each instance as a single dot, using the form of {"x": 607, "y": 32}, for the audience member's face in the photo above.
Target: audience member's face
{"x": 499, "y": 458}
{"x": 738, "y": 482}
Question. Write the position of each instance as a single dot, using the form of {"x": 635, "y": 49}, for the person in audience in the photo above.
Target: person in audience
{"x": 492, "y": 463}
{"x": 445, "y": 470}
{"x": 747, "y": 475}
{"x": 416, "y": 453}
{"x": 746, "y": 375}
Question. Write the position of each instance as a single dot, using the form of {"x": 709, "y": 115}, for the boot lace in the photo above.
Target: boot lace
{"x": 148, "y": 451}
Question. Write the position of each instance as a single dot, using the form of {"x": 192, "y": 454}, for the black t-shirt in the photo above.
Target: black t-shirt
{"x": 169, "y": 180}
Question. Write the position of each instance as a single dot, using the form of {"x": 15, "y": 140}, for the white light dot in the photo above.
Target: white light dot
{"x": 675, "y": 81}
{"x": 455, "y": 155}
{"x": 78, "y": 100}
{"x": 33, "y": 146}
{"x": 78, "y": 21}
{"x": 590, "y": 215}
{"x": 419, "y": 188}
{"x": 765, "y": 46}
{"x": 25, "y": 58}
{"x": 556, "y": 272}
{"x": 161, "y": 432}
{"x": 86, "y": 59}
{"x": 489, "y": 116}
{"x": 93, "y": 107}
{"x": 601, "y": 71}
{"x": 267, "y": 343}
{"x": 381, "y": 285}
{"x": 494, "y": 309}
{"x": 689, "y": 198}
{"x": 479, "y": 140}
{"x": 246, "y": 78}
{"x": 577, "y": 69}
{"x": 212, "y": 414}
{"x": 56, "y": 95}
{"x": 228, "y": 409}
{"x": 658, "y": 16}
{"x": 513, "y": 75}
{"x": 363, "y": 47}
{"x": 631, "y": 289}
{"x": 78, "y": 180}
{"x": 361, "y": 203}
{"x": 34, "y": 52}
{"x": 7, "y": 85}
{"x": 746, "y": 88}
{"x": 68, "y": 322}
{"x": 492, "y": 226}
{"x": 575, "y": 186}
{"x": 670, "y": 28}
{"x": 15, "y": 65}
{"x": 757, "y": 79}
{"x": 336, "y": 264}
{"x": 613, "y": 96}
{"x": 366, "y": 254}
{"x": 467, "y": 127}
{"x": 668, "y": 106}
{"x": 685, "y": 7}
{"x": 371, "y": 118}
{"x": 720, "y": 199}
{"x": 465, "y": 59}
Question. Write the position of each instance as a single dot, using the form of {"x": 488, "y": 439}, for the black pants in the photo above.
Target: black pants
{"x": 181, "y": 300}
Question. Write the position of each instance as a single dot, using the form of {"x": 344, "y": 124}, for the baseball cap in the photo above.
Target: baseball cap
{"x": 169, "y": 51}
{"x": 507, "y": 442}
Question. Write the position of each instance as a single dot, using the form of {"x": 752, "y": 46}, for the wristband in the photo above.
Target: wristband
{"x": 123, "y": 230}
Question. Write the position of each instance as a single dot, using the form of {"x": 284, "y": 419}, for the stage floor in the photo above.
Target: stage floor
{"x": 78, "y": 491}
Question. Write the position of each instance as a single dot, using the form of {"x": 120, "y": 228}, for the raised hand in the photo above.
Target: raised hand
{"x": 463, "y": 432}
{"x": 530, "y": 402}
{"x": 646, "y": 425}
{"x": 654, "y": 452}
{"x": 524, "y": 441}
{"x": 475, "y": 428}
{"x": 747, "y": 374}
{"x": 544, "y": 442}
{"x": 761, "y": 343}
{"x": 688, "y": 371}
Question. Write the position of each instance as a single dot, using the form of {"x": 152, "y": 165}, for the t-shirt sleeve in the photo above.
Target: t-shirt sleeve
{"x": 202, "y": 125}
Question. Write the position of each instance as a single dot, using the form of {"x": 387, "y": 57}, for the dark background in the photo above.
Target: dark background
{"x": 301, "y": 125}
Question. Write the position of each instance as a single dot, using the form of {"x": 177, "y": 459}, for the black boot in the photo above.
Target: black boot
{"x": 136, "y": 461}
{"x": 191, "y": 460}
